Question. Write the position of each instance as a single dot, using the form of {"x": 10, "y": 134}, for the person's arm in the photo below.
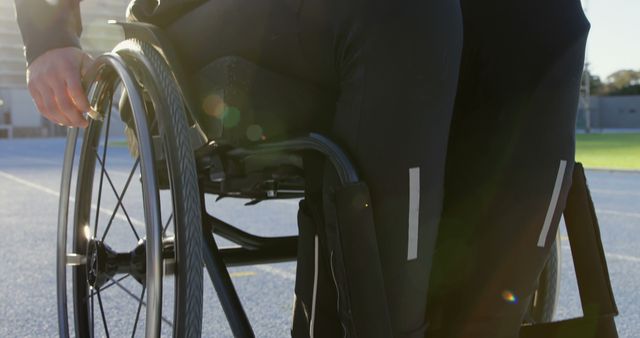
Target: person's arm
{"x": 51, "y": 34}
{"x": 48, "y": 24}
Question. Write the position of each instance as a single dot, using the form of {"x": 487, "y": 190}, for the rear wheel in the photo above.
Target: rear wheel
{"x": 136, "y": 234}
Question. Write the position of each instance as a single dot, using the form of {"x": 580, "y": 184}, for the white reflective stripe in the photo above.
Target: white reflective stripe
{"x": 315, "y": 288}
{"x": 414, "y": 212}
{"x": 552, "y": 204}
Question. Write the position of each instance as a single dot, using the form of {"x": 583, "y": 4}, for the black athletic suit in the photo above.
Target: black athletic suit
{"x": 458, "y": 114}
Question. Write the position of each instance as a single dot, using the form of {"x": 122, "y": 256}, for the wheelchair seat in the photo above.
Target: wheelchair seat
{"x": 236, "y": 103}
{"x": 241, "y": 105}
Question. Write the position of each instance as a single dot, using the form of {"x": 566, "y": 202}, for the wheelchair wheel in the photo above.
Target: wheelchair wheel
{"x": 136, "y": 237}
{"x": 545, "y": 298}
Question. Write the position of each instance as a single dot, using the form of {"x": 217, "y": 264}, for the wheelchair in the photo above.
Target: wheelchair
{"x": 158, "y": 262}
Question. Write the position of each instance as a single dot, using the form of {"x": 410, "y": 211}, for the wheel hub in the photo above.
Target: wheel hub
{"x": 103, "y": 263}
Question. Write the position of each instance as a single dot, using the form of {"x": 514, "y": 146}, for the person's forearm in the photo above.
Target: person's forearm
{"x": 47, "y": 25}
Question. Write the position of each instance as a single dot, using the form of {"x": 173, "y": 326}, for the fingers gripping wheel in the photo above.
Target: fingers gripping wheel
{"x": 135, "y": 246}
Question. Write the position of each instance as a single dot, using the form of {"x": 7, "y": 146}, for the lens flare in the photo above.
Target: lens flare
{"x": 509, "y": 297}
{"x": 87, "y": 232}
{"x": 213, "y": 105}
{"x": 230, "y": 117}
{"x": 254, "y": 133}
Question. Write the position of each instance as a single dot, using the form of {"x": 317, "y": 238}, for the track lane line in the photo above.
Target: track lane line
{"x": 54, "y": 193}
{"x": 611, "y": 255}
{"x": 618, "y": 213}
{"x": 623, "y": 257}
{"x": 16, "y": 179}
{"x": 266, "y": 268}
{"x": 239, "y": 274}
{"x": 59, "y": 164}
{"x": 614, "y": 192}
{"x": 277, "y": 272}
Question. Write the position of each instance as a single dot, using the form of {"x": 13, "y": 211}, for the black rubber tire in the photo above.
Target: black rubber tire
{"x": 183, "y": 177}
{"x": 154, "y": 76}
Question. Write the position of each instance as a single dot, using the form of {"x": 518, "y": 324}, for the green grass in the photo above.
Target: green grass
{"x": 609, "y": 151}
{"x": 118, "y": 144}
{"x": 603, "y": 151}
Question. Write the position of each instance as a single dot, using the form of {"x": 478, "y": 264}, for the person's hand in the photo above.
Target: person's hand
{"x": 54, "y": 82}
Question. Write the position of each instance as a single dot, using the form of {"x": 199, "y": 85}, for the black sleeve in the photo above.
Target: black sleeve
{"x": 48, "y": 24}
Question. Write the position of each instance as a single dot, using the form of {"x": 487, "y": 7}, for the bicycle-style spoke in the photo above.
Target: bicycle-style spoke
{"x": 166, "y": 226}
{"x": 93, "y": 331}
{"x": 119, "y": 203}
{"x": 121, "y": 196}
{"x": 109, "y": 285}
{"x": 124, "y": 191}
{"x": 104, "y": 158}
{"x": 104, "y": 318}
{"x": 135, "y": 324}
{"x": 153, "y": 123}
{"x": 167, "y": 321}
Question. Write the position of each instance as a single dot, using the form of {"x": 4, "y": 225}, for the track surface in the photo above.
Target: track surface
{"x": 29, "y": 182}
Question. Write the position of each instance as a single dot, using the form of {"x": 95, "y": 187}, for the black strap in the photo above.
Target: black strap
{"x": 596, "y": 295}
{"x": 583, "y": 327}
{"x": 355, "y": 263}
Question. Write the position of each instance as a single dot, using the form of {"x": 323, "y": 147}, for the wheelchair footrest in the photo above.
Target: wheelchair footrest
{"x": 596, "y": 295}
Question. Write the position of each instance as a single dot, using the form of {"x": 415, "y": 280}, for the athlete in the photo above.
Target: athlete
{"x": 460, "y": 116}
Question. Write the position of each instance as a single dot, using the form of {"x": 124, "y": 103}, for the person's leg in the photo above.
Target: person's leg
{"x": 398, "y": 65}
{"x": 509, "y": 162}
{"x": 247, "y": 68}
{"x": 268, "y": 33}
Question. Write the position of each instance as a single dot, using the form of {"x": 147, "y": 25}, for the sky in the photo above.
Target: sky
{"x": 614, "y": 40}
